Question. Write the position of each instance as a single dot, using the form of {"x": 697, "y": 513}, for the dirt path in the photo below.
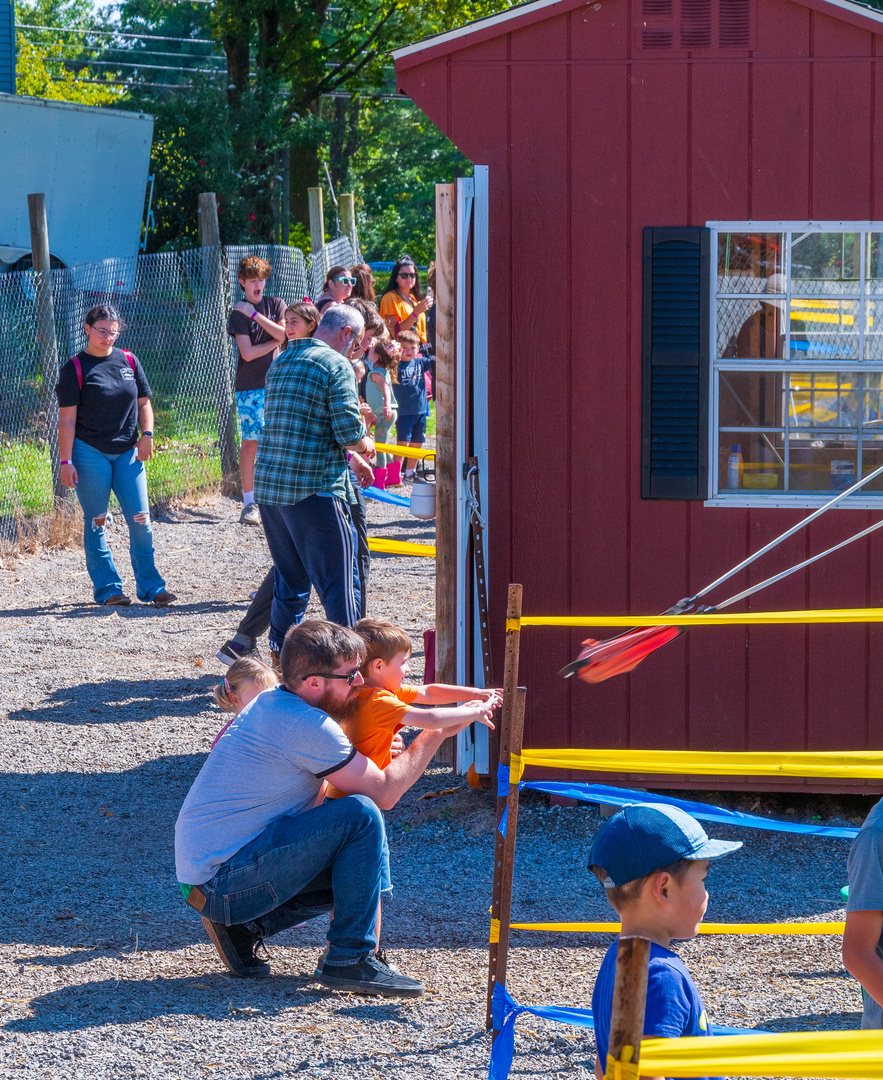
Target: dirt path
{"x": 105, "y": 718}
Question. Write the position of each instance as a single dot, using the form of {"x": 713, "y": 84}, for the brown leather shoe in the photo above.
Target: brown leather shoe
{"x": 163, "y": 599}
{"x": 120, "y": 600}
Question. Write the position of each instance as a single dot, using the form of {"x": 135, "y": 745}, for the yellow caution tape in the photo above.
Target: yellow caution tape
{"x": 516, "y": 769}
{"x": 513, "y": 624}
{"x": 622, "y": 1069}
{"x": 704, "y": 928}
{"x": 403, "y": 451}
{"x": 745, "y": 618}
{"x": 831, "y": 1054}
{"x": 495, "y": 931}
{"x": 400, "y": 547}
{"x": 858, "y": 764}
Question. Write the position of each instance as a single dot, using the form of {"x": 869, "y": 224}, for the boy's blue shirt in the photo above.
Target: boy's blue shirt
{"x": 674, "y": 1007}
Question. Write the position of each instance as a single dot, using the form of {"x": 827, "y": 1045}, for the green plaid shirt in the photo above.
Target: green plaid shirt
{"x": 311, "y": 413}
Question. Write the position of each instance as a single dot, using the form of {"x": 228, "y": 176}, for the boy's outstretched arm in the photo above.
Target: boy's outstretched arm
{"x": 860, "y": 958}
{"x": 444, "y": 694}
{"x": 452, "y": 716}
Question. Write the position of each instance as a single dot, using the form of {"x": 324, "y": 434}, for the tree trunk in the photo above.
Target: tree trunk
{"x": 344, "y": 139}
{"x": 304, "y": 174}
{"x": 236, "y": 49}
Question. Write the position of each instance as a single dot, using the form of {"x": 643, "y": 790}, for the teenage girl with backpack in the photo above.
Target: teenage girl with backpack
{"x": 104, "y": 398}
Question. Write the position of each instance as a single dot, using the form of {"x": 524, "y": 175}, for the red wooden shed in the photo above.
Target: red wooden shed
{"x": 684, "y": 255}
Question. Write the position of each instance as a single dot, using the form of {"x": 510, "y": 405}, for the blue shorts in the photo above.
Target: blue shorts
{"x": 411, "y": 429}
{"x": 250, "y": 407}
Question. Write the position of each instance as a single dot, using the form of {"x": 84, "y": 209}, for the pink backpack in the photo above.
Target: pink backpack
{"x": 79, "y": 367}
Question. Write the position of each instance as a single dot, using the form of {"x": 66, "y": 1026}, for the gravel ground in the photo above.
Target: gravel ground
{"x": 105, "y": 718}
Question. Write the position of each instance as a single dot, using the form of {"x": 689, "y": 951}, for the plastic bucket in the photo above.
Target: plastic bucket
{"x": 423, "y": 500}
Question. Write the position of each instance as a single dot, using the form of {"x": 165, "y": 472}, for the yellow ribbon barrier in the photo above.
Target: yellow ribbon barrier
{"x": 857, "y": 765}
{"x": 403, "y": 451}
{"x": 829, "y": 1054}
{"x": 744, "y": 618}
{"x": 704, "y": 928}
{"x": 495, "y": 932}
{"x": 400, "y": 547}
{"x": 623, "y": 1069}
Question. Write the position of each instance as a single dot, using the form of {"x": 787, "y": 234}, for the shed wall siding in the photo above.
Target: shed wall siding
{"x": 587, "y": 144}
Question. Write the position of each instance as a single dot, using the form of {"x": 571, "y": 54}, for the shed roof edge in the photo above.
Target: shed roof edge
{"x": 440, "y": 44}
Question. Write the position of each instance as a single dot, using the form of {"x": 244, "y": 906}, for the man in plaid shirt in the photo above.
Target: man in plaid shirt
{"x": 302, "y": 484}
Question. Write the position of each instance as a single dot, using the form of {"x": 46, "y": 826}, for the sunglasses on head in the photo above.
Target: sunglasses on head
{"x": 345, "y": 280}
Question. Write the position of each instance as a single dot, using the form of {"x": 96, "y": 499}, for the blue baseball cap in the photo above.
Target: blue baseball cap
{"x": 644, "y": 837}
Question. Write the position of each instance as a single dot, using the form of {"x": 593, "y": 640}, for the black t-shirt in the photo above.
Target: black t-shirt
{"x": 252, "y": 374}
{"x": 107, "y": 404}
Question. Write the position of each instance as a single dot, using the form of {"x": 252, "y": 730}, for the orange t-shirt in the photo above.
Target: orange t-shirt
{"x": 381, "y": 714}
{"x": 391, "y": 303}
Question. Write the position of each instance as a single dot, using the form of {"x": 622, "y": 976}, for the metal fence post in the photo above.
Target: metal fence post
{"x": 214, "y": 278}
{"x": 47, "y": 341}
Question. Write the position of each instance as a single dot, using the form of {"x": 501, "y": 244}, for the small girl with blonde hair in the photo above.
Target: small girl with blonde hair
{"x": 246, "y": 679}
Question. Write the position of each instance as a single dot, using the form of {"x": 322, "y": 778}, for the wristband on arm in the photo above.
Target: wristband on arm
{"x": 148, "y": 434}
{"x": 68, "y": 462}
{"x": 254, "y": 315}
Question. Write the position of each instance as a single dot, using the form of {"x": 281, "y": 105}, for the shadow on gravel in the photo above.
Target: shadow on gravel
{"x": 115, "y": 701}
{"x": 843, "y": 1021}
{"x": 138, "y": 610}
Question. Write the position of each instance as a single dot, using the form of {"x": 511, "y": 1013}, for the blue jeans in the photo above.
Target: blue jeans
{"x": 301, "y": 867}
{"x": 97, "y": 475}
{"x": 313, "y": 543}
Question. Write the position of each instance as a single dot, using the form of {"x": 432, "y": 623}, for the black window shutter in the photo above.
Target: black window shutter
{"x": 675, "y": 363}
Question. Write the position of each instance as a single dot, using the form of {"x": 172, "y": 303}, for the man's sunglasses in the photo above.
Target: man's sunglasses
{"x": 345, "y": 280}
{"x": 350, "y": 678}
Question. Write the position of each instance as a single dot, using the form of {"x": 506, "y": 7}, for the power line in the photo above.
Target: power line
{"x": 119, "y": 33}
{"x": 144, "y": 67}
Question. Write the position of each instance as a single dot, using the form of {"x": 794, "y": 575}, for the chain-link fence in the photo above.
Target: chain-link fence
{"x": 175, "y": 309}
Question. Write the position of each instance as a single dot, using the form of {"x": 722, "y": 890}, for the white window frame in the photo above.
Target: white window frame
{"x": 858, "y": 501}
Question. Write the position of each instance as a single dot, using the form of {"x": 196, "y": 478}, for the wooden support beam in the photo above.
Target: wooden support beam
{"x": 317, "y": 221}
{"x": 629, "y": 1001}
{"x": 215, "y": 284}
{"x": 348, "y": 220}
{"x": 47, "y": 339}
{"x": 510, "y": 675}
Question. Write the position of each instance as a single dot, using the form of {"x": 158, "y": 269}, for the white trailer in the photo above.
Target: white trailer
{"x": 92, "y": 165}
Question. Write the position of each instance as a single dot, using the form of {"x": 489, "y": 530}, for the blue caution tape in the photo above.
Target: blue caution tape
{"x": 602, "y": 793}
{"x": 505, "y": 1011}
{"x": 381, "y": 495}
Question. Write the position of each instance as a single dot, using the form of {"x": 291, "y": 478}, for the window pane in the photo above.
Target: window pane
{"x": 872, "y": 411}
{"x": 824, "y": 405}
{"x": 824, "y": 330}
{"x": 874, "y": 330}
{"x": 750, "y": 329}
{"x": 824, "y": 264}
{"x": 750, "y": 462}
{"x": 872, "y": 458}
{"x": 750, "y": 399}
{"x": 823, "y": 469}
{"x": 874, "y": 263}
{"x": 746, "y": 262}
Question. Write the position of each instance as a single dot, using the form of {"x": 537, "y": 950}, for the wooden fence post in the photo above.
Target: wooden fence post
{"x": 504, "y": 853}
{"x": 348, "y": 220}
{"x": 629, "y": 1000}
{"x": 214, "y": 278}
{"x": 317, "y": 221}
{"x": 510, "y": 672}
{"x": 47, "y": 340}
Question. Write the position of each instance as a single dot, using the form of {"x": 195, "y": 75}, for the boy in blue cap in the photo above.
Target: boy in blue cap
{"x": 652, "y": 859}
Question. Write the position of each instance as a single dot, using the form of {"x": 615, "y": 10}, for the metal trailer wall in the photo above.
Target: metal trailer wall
{"x": 92, "y": 164}
{"x": 589, "y": 140}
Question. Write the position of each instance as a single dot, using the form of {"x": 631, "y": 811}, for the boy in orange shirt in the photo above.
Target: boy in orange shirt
{"x": 385, "y": 702}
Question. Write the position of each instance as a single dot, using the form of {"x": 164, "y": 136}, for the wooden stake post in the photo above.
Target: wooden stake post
{"x": 504, "y": 862}
{"x": 629, "y": 1000}
{"x": 510, "y": 740}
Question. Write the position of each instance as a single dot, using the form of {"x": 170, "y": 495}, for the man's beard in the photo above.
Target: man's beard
{"x": 338, "y": 710}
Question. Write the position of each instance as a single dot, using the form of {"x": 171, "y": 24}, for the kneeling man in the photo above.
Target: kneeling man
{"x": 256, "y": 855}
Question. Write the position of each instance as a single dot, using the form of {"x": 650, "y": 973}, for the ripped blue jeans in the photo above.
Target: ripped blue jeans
{"x": 97, "y": 475}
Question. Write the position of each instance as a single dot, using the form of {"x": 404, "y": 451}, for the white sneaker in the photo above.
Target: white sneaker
{"x": 250, "y": 515}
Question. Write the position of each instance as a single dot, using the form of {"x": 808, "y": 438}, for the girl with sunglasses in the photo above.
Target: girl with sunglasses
{"x": 403, "y": 305}
{"x": 339, "y": 282}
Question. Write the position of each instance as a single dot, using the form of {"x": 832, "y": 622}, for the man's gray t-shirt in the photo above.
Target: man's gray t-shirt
{"x": 269, "y": 763}
{"x": 865, "y": 872}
